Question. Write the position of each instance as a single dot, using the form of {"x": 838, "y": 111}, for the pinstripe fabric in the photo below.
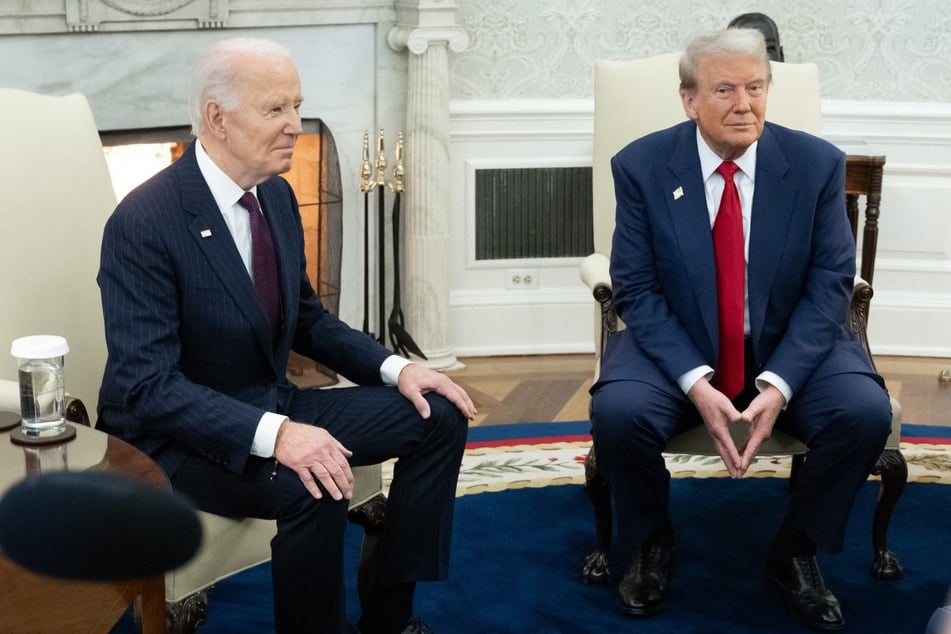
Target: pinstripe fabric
{"x": 193, "y": 365}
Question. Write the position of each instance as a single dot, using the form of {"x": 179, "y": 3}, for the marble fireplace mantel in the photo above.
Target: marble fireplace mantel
{"x": 57, "y": 16}
{"x": 364, "y": 65}
{"x": 116, "y": 52}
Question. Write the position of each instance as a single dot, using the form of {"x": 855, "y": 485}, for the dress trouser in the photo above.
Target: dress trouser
{"x": 376, "y": 423}
{"x": 843, "y": 419}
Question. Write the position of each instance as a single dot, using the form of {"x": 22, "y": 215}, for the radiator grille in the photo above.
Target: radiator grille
{"x": 533, "y": 213}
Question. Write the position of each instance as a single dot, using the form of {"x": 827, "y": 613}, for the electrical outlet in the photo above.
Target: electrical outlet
{"x": 521, "y": 279}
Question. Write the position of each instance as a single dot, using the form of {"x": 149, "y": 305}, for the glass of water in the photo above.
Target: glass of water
{"x": 42, "y": 384}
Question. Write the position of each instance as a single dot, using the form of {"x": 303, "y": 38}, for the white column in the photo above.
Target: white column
{"x": 426, "y": 28}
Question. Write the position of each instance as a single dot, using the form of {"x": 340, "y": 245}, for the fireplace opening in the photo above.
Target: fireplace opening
{"x": 135, "y": 155}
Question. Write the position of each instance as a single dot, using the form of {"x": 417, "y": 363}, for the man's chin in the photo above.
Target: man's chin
{"x": 745, "y": 139}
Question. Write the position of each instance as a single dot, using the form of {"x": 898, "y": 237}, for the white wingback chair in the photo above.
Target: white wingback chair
{"x": 57, "y": 196}
{"x": 631, "y": 99}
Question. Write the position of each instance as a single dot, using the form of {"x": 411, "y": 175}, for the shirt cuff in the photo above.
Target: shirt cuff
{"x": 391, "y": 368}
{"x": 265, "y": 436}
{"x": 688, "y": 378}
{"x": 768, "y": 378}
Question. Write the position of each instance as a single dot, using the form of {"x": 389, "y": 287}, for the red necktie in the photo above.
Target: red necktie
{"x": 731, "y": 272}
{"x": 263, "y": 263}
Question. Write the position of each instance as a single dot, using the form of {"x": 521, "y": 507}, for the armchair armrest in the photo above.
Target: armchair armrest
{"x": 76, "y": 411}
{"x": 9, "y": 396}
{"x": 596, "y": 274}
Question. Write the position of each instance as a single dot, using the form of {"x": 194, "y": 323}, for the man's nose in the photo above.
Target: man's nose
{"x": 294, "y": 126}
{"x": 742, "y": 101}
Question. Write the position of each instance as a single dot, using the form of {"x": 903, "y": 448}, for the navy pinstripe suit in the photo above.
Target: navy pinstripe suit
{"x": 192, "y": 367}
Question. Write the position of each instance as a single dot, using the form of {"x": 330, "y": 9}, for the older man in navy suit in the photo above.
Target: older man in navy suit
{"x": 204, "y": 293}
{"x": 732, "y": 266}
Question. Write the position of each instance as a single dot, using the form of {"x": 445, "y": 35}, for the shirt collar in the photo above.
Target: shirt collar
{"x": 709, "y": 161}
{"x": 225, "y": 191}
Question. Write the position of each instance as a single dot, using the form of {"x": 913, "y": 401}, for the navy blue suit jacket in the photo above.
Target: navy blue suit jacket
{"x": 800, "y": 271}
{"x": 192, "y": 365}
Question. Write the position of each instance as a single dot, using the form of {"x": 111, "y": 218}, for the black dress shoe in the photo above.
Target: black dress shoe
{"x": 805, "y": 592}
{"x": 644, "y": 586}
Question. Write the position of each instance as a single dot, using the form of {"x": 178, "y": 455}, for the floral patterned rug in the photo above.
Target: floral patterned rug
{"x": 534, "y": 455}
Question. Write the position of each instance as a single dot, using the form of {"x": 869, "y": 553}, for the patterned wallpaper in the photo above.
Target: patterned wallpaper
{"x": 868, "y": 50}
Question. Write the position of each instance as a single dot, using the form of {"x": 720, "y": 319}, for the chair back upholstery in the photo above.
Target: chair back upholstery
{"x": 636, "y": 97}
{"x": 57, "y": 194}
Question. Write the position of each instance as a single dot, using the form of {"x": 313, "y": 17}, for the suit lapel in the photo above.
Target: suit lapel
{"x": 687, "y": 205}
{"x": 774, "y": 201}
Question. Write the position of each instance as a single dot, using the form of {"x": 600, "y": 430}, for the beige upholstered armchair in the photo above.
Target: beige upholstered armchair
{"x": 633, "y": 98}
{"x": 57, "y": 195}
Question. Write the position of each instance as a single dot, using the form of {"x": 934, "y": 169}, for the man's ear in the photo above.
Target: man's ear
{"x": 214, "y": 116}
{"x": 687, "y": 98}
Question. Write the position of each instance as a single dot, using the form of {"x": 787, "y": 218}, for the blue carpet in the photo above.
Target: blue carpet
{"x": 517, "y": 555}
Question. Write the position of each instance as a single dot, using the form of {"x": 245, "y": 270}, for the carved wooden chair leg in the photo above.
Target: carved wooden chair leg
{"x": 370, "y": 515}
{"x": 596, "y": 569}
{"x": 893, "y": 469}
{"x": 185, "y": 616}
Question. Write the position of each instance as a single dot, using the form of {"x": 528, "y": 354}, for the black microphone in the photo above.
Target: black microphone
{"x": 96, "y": 526}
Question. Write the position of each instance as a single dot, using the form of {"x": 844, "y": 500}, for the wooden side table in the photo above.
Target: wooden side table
{"x": 35, "y": 603}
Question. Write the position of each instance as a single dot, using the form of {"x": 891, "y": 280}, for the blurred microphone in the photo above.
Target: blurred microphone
{"x": 95, "y": 526}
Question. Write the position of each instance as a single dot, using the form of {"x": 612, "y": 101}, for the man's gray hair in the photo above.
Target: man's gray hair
{"x": 214, "y": 76}
{"x": 721, "y": 43}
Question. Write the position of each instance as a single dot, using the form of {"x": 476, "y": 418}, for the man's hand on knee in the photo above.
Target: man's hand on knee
{"x": 315, "y": 456}
{"x": 415, "y": 381}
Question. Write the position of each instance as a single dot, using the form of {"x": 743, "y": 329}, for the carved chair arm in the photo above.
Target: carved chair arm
{"x": 76, "y": 411}
{"x": 604, "y": 295}
{"x": 595, "y": 273}
{"x": 858, "y": 312}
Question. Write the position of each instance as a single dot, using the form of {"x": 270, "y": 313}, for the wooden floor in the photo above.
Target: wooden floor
{"x": 554, "y": 388}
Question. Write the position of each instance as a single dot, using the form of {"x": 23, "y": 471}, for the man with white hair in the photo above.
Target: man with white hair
{"x": 732, "y": 266}
{"x": 205, "y": 293}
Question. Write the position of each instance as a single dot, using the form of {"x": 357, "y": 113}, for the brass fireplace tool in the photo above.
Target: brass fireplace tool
{"x": 399, "y": 337}
{"x": 366, "y": 184}
{"x": 381, "y": 248}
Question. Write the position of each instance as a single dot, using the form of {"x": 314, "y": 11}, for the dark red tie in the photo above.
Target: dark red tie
{"x": 263, "y": 263}
{"x": 731, "y": 273}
